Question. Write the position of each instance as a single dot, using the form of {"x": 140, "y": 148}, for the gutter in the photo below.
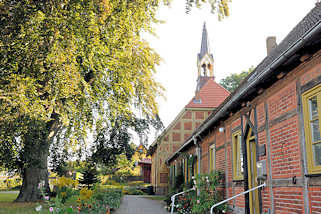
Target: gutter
{"x": 255, "y": 79}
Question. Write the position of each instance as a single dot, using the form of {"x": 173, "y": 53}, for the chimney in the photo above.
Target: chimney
{"x": 270, "y": 44}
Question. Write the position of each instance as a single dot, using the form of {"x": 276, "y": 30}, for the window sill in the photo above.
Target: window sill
{"x": 313, "y": 175}
{"x": 238, "y": 180}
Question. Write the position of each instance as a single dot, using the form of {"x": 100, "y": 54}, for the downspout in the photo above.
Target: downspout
{"x": 198, "y": 152}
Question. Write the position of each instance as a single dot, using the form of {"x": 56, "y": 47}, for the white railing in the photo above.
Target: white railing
{"x": 243, "y": 193}
{"x": 174, "y": 196}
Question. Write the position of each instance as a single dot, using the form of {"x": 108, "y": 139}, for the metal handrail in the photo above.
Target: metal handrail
{"x": 242, "y": 193}
{"x": 173, "y": 198}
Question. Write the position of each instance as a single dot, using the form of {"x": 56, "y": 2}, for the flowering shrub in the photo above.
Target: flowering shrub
{"x": 65, "y": 182}
{"x": 85, "y": 194}
{"x": 190, "y": 202}
{"x": 10, "y": 183}
{"x": 56, "y": 206}
{"x": 209, "y": 194}
{"x": 65, "y": 187}
{"x": 183, "y": 203}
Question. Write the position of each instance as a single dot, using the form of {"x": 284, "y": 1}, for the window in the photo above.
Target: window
{"x": 185, "y": 171}
{"x": 212, "y": 158}
{"x": 312, "y": 122}
{"x": 237, "y": 156}
{"x": 195, "y": 167}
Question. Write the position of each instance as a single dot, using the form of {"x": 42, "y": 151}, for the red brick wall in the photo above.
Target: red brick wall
{"x": 266, "y": 199}
{"x": 188, "y": 115}
{"x": 229, "y": 163}
{"x": 188, "y": 126}
{"x": 199, "y": 115}
{"x": 285, "y": 149}
{"x": 288, "y": 200}
{"x": 282, "y": 101}
{"x": 285, "y": 144}
{"x": 312, "y": 73}
{"x": 177, "y": 126}
{"x": 315, "y": 199}
{"x": 260, "y": 113}
{"x": 236, "y": 123}
{"x": 186, "y": 136}
{"x": 220, "y": 140}
{"x": 220, "y": 159}
{"x": 176, "y": 136}
{"x": 239, "y": 201}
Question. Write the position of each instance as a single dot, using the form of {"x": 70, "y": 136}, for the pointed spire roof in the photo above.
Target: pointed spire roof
{"x": 205, "y": 48}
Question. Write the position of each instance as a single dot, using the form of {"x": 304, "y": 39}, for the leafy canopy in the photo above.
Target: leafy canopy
{"x": 232, "y": 81}
{"x": 78, "y": 63}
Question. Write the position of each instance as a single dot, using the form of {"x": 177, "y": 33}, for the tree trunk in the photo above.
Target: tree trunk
{"x": 33, "y": 175}
{"x": 34, "y": 159}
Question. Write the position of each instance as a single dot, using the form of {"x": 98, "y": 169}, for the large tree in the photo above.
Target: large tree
{"x": 232, "y": 81}
{"x": 67, "y": 67}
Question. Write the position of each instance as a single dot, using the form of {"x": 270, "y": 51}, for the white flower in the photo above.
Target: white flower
{"x": 38, "y": 208}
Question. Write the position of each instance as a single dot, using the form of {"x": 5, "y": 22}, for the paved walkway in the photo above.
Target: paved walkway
{"x": 135, "y": 204}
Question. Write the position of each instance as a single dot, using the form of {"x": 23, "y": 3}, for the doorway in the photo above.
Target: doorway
{"x": 252, "y": 172}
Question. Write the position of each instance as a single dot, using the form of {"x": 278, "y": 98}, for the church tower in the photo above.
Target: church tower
{"x": 205, "y": 62}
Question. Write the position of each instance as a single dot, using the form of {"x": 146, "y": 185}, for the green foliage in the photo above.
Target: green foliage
{"x": 110, "y": 197}
{"x": 10, "y": 183}
{"x": 232, "y": 81}
{"x": 190, "y": 202}
{"x": 209, "y": 194}
{"x": 217, "y": 6}
{"x": 89, "y": 176}
{"x": 133, "y": 190}
{"x": 70, "y": 67}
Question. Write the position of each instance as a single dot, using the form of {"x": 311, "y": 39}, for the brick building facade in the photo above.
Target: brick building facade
{"x": 208, "y": 96}
{"x": 268, "y": 130}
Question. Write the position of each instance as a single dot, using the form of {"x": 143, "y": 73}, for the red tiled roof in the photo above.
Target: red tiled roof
{"x": 211, "y": 94}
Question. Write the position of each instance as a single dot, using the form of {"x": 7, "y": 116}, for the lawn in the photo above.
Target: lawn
{"x": 7, "y": 205}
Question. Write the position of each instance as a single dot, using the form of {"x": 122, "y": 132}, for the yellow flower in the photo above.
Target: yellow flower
{"x": 85, "y": 193}
{"x": 63, "y": 194}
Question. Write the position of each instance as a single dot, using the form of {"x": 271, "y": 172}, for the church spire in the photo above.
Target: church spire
{"x": 205, "y": 49}
{"x": 205, "y": 61}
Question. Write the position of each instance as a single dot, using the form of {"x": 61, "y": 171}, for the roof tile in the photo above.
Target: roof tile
{"x": 211, "y": 94}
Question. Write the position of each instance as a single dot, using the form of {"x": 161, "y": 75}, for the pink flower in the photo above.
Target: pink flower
{"x": 47, "y": 198}
{"x": 51, "y": 209}
{"x": 198, "y": 201}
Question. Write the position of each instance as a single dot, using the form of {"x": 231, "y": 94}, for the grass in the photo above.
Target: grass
{"x": 7, "y": 205}
{"x": 8, "y": 197}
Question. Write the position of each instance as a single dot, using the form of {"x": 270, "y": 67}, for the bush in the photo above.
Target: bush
{"x": 11, "y": 183}
{"x": 110, "y": 197}
{"x": 133, "y": 191}
{"x": 64, "y": 187}
{"x": 209, "y": 195}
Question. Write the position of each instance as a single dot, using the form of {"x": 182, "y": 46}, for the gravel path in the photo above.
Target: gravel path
{"x": 133, "y": 204}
